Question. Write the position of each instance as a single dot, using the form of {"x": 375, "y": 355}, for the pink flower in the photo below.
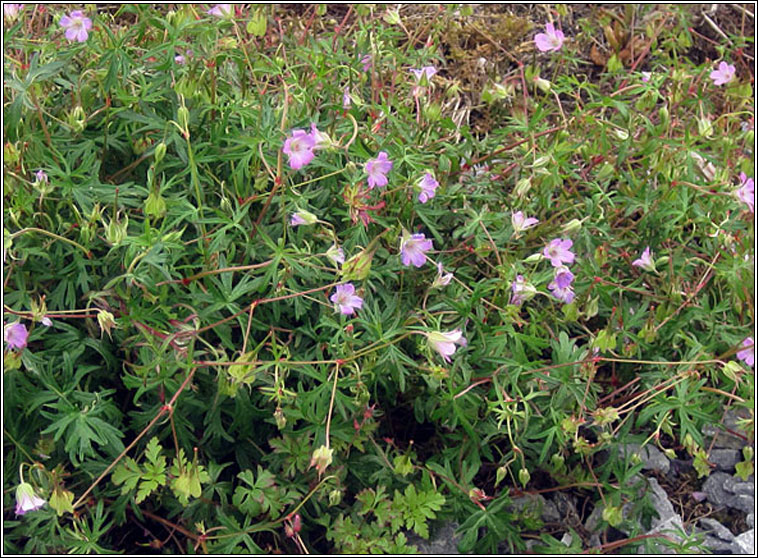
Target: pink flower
{"x": 746, "y": 192}
{"x": 377, "y": 170}
{"x": 11, "y": 11}
{"x": 221, "y": 10}
{"x": 723, "y": 75}
{"x": 15, "y": 335}
{"x": 646, "y": 76}
{"x": 426, "y": 71}
{"x": 521, "y": 223}
{"x": 645, "y": 261}
{"x": 346, "y": 100}
{"x": 366, "y": 61}
{"x": 445, "y": 343}
{"x": 336, "y": 254}
{"x": 41, "y": 176}
{"x": 413, "y": 249}
{"x": 558, "y": 251}
{"x": 76, "y": 25}
{"x": 303, "y": 218}
{"x": 551, "y": 39}
{"x": 26, "y": 499}
{"x": 443, "y": 279}
{"x": 428, "y": 185}
{"x": 299, "y": 147}
{"x": 747, "y": 355}
{"x": 179, "y": 59}
{"x": 320, "y": 139}
{"x": 345, "y": 299}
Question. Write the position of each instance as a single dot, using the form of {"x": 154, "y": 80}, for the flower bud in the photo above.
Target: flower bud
{"x": 358, "y": 267}
{"x": 116, "y": 231}
{"x": 77, "y": 119}
{"x": 155, "y": 205}
{"x": 160, "y": 152}
{"x": 106, "y": 321}
{"x": 522, "y": 187}
{"x": 544, "y": 85}
{"x": 572, "y": 226}
{"x": 321, "y": 459}
{"x": 534, "y": 258}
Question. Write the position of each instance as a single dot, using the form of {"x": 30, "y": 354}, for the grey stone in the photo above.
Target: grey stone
{"x": 717, "y": 546}
{"x": 652, "y": 458}
{"x": 744, "y": 543}
{"x": 742, "y": 502}
{"x": 750, "y": 520}
{"x": 713, "y": 527}
{"x": 537, "y": 505}
{"x": 724, "y": 459}
{"x": 724, "y": 439}
{"x": 667, "y": 517}
{"x": 714, "y": 488}
{"x": 441, "y": 541}
{"x": 737, "y": 486}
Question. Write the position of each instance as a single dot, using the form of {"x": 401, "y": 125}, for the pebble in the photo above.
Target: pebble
{"x": 724, "y": 459}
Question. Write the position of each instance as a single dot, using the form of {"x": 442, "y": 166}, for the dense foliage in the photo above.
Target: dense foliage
{"x": 284, "y": 278}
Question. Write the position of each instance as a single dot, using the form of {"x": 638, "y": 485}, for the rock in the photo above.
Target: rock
{"x": 737, "y": 486}
{"x": 441, "y": 541}
{"x": 744, "y": 543}
{"x": 537, "y": 505}
{"x": 714, "y": 488}
{"x": 717, "y": 546}
{"x": 713, "y": 527}
{"x": 724, "y": 439}
{"x": 742, "y": 502}
{"x": 750, "y": 520}
{"x": 724, "y": 459}
{"x": 652, "y": 458}
{"x": 668, "y": 521}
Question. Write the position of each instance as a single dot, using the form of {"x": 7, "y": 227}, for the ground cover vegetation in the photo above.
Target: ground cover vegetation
{"x": 316, "y": 278}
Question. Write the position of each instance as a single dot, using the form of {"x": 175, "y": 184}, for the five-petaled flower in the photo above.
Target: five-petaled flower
{"x": 563, "y": 277}
{"x": 747, "y": 355}
{"x": 444, "y": 342}
{"x": 558, "y": 251}
{"x": 345, "y": 300}
{"x": 428, "y": 185}
{"x": 76, "y": 25}
{"x": 41, "y": 177}
{"x": 15, "y": 335}
{"x": 377, "y": 170}
{"x": 26, "y": 499}
{"x": 746, "y": 192}
{"x": 299, "y": 148}
{"x": 551, "y": 39}
{"x": 413, "y": 249}
{"x": 221, "y": 10}
{"x": 724, "y": 74}
{"x": 443, "y": 279}
{"x": 645, "y": 261}
{"x": 564, "y": 294}
{"x": 521, "y": 223}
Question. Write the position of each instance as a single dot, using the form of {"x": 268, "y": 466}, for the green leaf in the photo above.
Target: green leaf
{"x": 257, "y": 24}
{"x": 61, "y": 501}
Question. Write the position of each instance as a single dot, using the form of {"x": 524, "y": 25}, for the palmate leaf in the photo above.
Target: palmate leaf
{"x": 416, "y": 508}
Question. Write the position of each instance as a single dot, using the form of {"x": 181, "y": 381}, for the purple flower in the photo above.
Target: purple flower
{"x": 746, "y": 192}
{"x": 366, "y": 61}
{"x": 320, "y": 139}
{"x": 521, "y": 223}
{"x": 345, "y": 299}
{"x": 299, "y": 147}
{"x": 221, "y": 10}
{"x": 563, "y": 277}
{"x": 179, "y": 59}
{"x": 559, "y": 252}
{"x": 723, "y": 75}
{"x": 645, "y": 261}
{"x": 646, "y": 76}
{"x": 443, "y": 279}
{"x": 26, "y": 499}
{"x": 346, "y": 100}
{"x": 76, "y": 25}
{"x": 336, "y": 254}
{"x": 521, "y": 290}
{"x": 15, "y": 335}
{"x": 41, "y": 176}
{"x": 564, "y": 294}
{"x": 47, "y": 322}
{"x": 303, "y": 218}
{"x": 413, "y": 249}
{"x": 747, "y": 355}
{"x": 426, "y": 71}
{"x": 551, "y": 39}
{"x": 377, "y": 170}
{"x": 428, "y": 185}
